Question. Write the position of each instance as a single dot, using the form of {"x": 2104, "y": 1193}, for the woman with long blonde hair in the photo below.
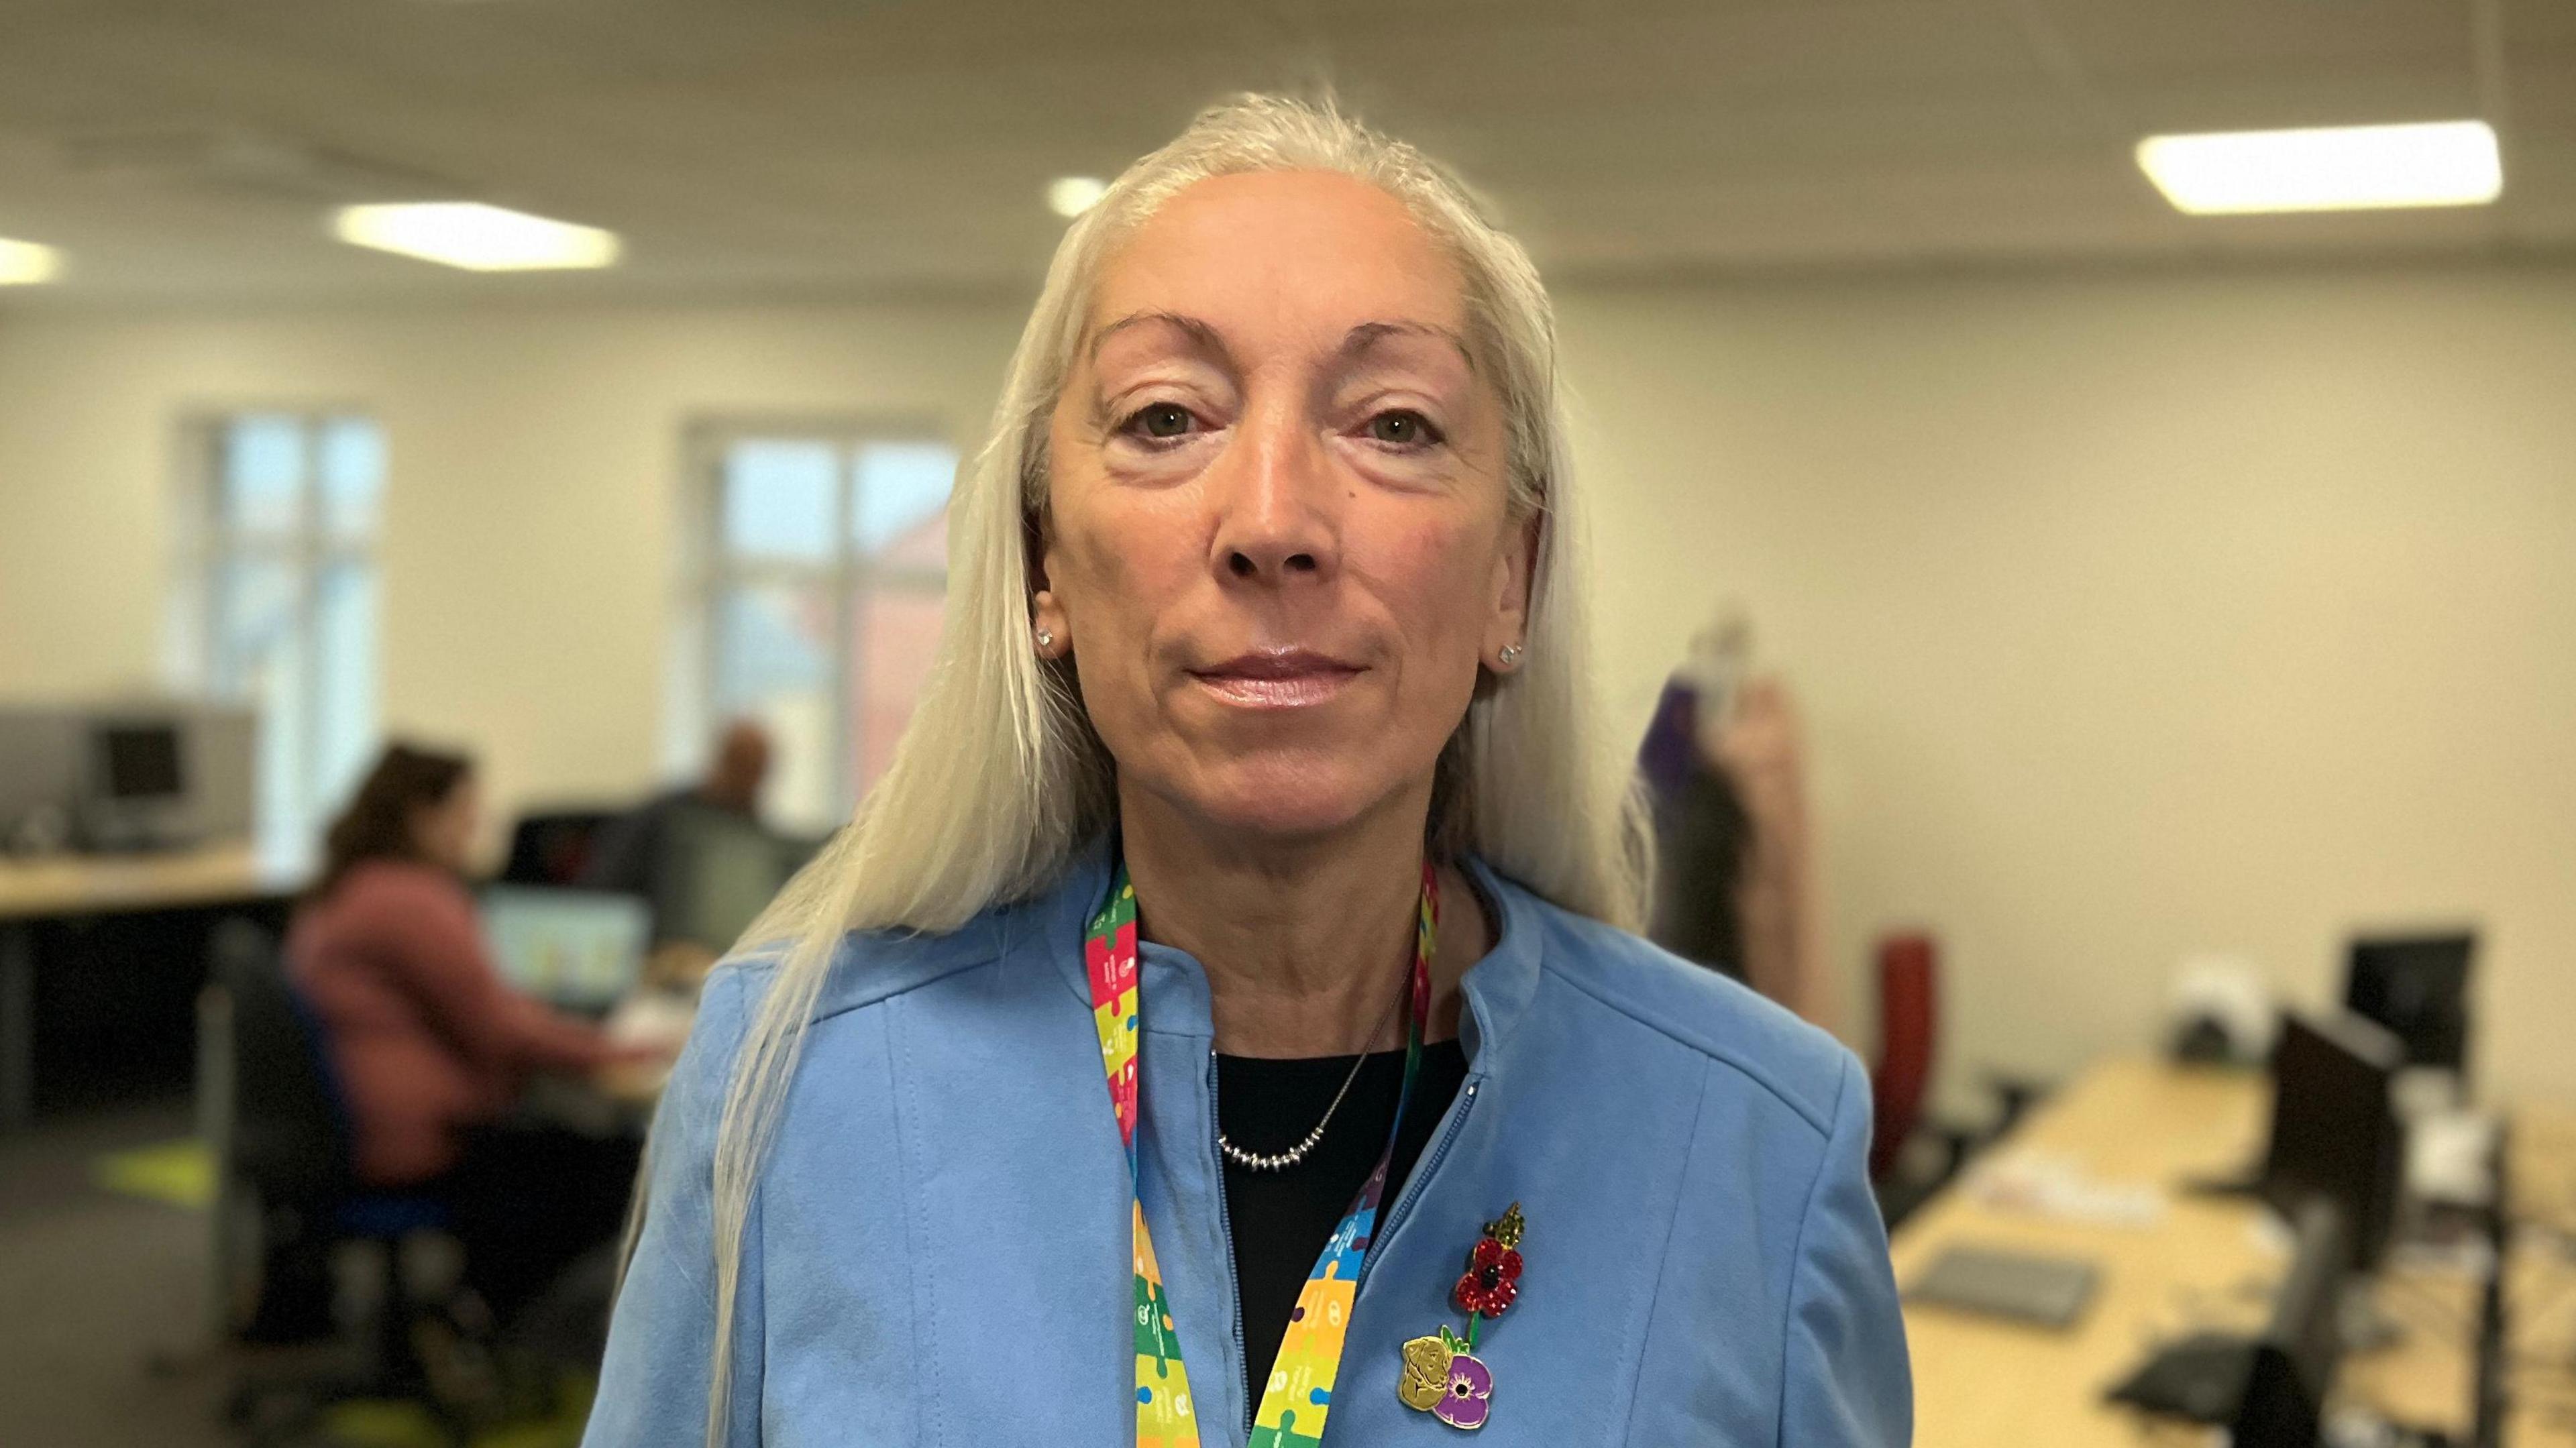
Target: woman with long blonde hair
{"x": 1221, "y": 1020}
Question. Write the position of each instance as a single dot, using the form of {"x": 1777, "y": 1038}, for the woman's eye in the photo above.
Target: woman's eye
{"x": 1160, "y": 420}
{"x": 1402, "y": 428}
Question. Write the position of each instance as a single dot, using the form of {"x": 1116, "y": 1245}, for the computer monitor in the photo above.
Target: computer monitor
{"x": 582, "y": 950}
{"x": 722, "y": 872}
{"x": 138, "y": 790}
{"x": 140, "y": 762}
{"x": 2270, "y": 1388}
{"x": 2418, "y": 987}
{"x": 2293, "y": 1364}
{"x": 2335, "y": 1135}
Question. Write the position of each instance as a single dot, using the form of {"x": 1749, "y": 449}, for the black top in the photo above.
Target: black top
{"x": 1703, "y": 836}
{"x": 1281, "y": 1219}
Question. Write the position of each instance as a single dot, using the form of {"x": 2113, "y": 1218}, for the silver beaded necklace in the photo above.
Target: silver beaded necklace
{"x": 1282, "y": 1160}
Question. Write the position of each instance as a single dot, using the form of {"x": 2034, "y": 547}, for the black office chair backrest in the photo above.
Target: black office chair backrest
{"x": 290, "y": 1135}
{"x": 554, "y": 848}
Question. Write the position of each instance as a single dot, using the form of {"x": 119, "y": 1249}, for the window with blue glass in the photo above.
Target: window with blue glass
{"x": 282, "y": 604}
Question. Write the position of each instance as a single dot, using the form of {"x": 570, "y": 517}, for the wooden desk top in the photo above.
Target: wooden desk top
{"x": 2540, "y": 1281}
{"x": 2204, "y": 1263}
{"x": 109, "y": 884}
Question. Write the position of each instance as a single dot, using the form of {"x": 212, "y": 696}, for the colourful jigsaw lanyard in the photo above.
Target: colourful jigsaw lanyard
{"x": 1299, "y": 1393}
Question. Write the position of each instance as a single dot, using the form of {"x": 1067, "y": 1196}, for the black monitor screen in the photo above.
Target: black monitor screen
{"x": 2418, "y": 987}
{"x": 142, "y": 761}
{"x": 2334, "y": 1135}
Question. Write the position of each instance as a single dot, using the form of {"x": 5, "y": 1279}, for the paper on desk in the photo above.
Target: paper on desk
{"x": 2048, "y": 1185}
{"x": 651, "y": 1018}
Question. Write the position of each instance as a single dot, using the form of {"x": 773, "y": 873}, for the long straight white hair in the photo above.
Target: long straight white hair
{"x": 999, "y": 779}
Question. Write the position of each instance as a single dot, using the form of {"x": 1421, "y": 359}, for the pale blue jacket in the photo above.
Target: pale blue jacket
{"x": 938, "y": 1253}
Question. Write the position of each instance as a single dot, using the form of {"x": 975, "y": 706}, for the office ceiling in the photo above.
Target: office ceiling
{"x": 184, "y": 149}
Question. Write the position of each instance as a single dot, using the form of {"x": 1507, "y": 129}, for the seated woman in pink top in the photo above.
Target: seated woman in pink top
{"x": 432, "y": 1048}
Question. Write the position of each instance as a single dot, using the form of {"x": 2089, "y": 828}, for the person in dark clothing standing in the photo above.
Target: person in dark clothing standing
{"x": 1734, "y": 875}
{"x": 1702, "y": 834}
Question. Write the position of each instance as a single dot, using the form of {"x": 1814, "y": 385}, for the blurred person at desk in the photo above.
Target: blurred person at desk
{"x": 431, "y": 1048}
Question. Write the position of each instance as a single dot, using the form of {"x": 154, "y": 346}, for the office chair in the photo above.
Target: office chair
{"x": 1909, "y": 1023}
{"x": 554, "y": 847}
{"x": 1909, "y": 1014}
{"x": 285, "y": 1147}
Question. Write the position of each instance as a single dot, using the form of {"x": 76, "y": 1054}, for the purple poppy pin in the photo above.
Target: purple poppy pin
{"x": 1442, "y": 1374}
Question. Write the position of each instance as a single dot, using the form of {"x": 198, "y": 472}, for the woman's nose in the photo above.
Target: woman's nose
{"x": 1276, "y": 501}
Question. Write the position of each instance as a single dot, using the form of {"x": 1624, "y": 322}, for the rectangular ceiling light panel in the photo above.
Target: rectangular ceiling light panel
{"x": 2340, "y": 168}
{"x": 25, "y": 263}
{"x": 476, "y": 237}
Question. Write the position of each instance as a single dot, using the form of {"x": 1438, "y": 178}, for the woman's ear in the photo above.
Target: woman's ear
{"x": 1050, "y": 633}
{"x": 1507, "y": 628}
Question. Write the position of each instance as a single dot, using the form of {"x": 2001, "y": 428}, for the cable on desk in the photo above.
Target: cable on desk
{"x": 2449, "y": 1320}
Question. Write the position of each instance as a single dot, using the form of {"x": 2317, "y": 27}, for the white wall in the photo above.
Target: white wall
{"x": 2133, "y": 615}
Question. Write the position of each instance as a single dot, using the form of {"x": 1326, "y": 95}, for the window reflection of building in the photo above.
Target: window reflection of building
{"x": 815, "y": 601}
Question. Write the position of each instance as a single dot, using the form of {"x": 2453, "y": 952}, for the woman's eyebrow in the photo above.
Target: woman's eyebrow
{"x": 1201, "y": 335}
{"x": 1358, "y": 341}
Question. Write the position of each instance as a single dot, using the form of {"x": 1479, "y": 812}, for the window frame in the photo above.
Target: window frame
{"x": 709, "y": 571}
{"x": 208, "y": 543}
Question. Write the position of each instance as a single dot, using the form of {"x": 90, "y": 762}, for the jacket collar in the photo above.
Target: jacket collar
{"x": 874, "y": 965}
{"x": 1498, "y": 988}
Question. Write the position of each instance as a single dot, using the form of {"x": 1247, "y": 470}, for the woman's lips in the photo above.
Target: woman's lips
{"x": 1276, "y": 679}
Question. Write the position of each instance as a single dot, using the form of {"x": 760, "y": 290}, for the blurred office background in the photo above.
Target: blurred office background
{"x": 2153, "y": 587}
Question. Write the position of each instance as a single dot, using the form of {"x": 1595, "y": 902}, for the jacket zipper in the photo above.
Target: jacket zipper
{"x": 1415, "y": 1182}
{"x": 1225, "y": 1227}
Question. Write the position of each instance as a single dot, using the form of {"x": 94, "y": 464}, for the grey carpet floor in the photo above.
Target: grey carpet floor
{"x": 102, "y": 1298}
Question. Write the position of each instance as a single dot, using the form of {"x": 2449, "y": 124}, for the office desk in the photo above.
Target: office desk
{"x": 2540, "y": 1281}
{"x": 54, "y": 885}
{"x": 58, "y": 887}
{"x": 1983, "y": 1383}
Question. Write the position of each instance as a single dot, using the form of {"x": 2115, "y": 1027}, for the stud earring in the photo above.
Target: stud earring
{"x": 1046, "y": 640}
{"x": 1511, "y": 654}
